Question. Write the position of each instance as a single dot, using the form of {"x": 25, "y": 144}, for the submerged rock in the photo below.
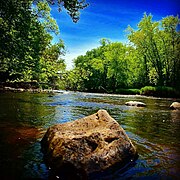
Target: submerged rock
{"x": 175, "y": 105}
{"x": 87, "y": 145}
{"x": 135, "y": 103}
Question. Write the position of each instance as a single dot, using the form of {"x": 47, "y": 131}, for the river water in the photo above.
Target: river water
{"x": 24, "y": 118}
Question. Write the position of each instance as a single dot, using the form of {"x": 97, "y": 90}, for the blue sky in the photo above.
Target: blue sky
{"x": 106, "y": 19}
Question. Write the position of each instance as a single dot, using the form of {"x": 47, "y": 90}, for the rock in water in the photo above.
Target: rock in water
{"x": 87, "y": 145}
{"x": 175, "y": 105}
{"x": 135, "y": 103}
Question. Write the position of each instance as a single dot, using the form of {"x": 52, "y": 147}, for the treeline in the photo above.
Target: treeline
{"x": 27, "y": 54}
{"x": 151, "y": 58}
{"x": 27, "y": 28}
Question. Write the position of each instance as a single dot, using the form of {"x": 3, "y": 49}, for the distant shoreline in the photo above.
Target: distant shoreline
{"x": 40, "y": 90}
{"x": 37, "y": 90}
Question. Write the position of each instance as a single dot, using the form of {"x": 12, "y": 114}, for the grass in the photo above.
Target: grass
{"x": 128, "y": 91}
{"x": 160, "y": 91}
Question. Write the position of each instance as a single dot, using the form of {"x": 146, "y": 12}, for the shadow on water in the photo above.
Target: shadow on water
{"x": 15, "y": 142}
{"x": 25, "y": 117}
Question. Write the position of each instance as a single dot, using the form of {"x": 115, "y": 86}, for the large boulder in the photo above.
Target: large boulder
{"x": 88, "y": 145}
{"x": 135, "y": 103}
{"x": 175, "y": 105}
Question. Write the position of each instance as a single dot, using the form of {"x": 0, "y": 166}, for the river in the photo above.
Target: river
{"x": 25, "y": 116}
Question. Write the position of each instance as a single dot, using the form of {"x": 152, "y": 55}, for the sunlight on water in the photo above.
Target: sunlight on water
{"x": 25, "y": 117}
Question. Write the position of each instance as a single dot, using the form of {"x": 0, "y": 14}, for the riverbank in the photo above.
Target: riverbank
{"x": 25, "y": 87}
{"x": 38, "y": 90}
{"x": 161, "y": 91}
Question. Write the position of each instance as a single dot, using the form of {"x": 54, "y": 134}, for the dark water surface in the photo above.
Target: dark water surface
{"x": 24, "y": 118}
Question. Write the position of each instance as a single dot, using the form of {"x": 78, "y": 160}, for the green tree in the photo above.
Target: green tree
{"x": 137, "y": 76}
{"x": 170, "y": 42}
{"x": 96, "y": 64}
{"x": 106, "y": 67}
{"x": 117, "y": 65}
{"x": 151, "y": 58}
{"x": 26, "y": 29}
{"x": 52, "y": 67}
{"x": 158, "y": 43}
{"x": 73, "y": 7}
{"x": 22, "y": 39}
{"x": 42, "y": 12}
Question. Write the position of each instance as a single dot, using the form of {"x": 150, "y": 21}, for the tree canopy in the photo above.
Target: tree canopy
{"x": 159, "y": 44}
{"x": 26, "y": 49}
{"x": 150, "y": 58}
{"x": 73, "y": 7}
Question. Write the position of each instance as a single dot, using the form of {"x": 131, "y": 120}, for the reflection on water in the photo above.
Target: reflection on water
{"x": 25, "y": 117}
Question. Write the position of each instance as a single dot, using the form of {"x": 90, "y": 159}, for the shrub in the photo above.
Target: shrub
{"x": 128, "y": 91}
{"x": 148, "y": 91}
{"x": 160, "y": 91}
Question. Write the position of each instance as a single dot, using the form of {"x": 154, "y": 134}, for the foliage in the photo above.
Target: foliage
{"x": 159, "y": 91}
{"x": 109, "y": 67}
{"x": 94, "y": 67}
{"x": 42, "y": 11}
{"x": 27, "y": 53}
{"x": 150, "y": 59}
{"x": 75, "y": 79}
{"x": 148, "y": 90}
{"x": 128, "y": 91}
{"x": 22, "y": 41}
{"x": 72, "y": 6}
{"x": 51, "y": 66}
{"x": 158, "y": 43}
{"x": 26, "y": 49}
